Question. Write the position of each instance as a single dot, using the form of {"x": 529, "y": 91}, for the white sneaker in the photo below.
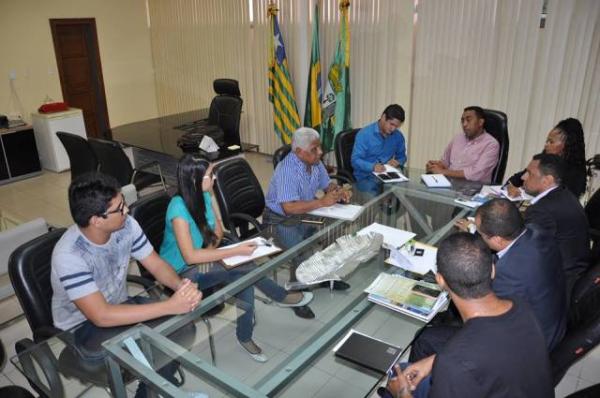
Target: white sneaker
{"x": 253, "y": 350}
{"x": 306, "y": 298}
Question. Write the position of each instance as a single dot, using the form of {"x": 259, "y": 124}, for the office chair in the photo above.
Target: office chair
{"x": 280, "y": 153}
{"x": 240, "y": 197}
{"x": 150, "y": 212}
{"x": 115, "y": 163}
{"x": 583, "y": 328}
{"x": 225, "y": 111}
{"x": 496, "y": 124}
{"x": 81, "y": 156}
{"x": 343, "y": 146}
{"x": 11, "y": 391}
{"x": 589, "y": 392}
{"x": 29, "y": 271}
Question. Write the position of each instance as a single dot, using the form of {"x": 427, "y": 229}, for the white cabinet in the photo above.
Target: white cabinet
{"x": 45, "y": 125}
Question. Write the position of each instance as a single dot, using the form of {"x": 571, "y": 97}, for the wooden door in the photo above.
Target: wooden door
{"x": 80, "y": 71}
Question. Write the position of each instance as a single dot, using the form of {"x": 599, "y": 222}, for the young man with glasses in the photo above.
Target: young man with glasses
{"x": 89, "y": 269}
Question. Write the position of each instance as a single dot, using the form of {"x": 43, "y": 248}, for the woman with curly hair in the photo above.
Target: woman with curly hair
{"x": 565, "y": 140}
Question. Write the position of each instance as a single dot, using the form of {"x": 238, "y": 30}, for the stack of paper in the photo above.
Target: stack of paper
{"x": 420, "y": 300}
{"x": 263, "y": 248}
{"x": 391, "y": 174}
{"x": 393, "y": 238}
{"x": 436, "y": 181}
{"x": 410, "y": 262}
{"x": 339, "y": 211}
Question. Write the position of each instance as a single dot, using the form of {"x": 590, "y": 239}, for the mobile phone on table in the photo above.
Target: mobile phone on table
{"x": 426, "y": 291}
{"x": 384, "y": 176}
{"x": 393, "y": 174}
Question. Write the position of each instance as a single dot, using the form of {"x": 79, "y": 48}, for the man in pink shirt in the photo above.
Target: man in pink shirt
{"x": 471, "y": 155}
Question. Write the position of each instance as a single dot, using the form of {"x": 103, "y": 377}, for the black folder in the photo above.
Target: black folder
{"x": 366, "y": 351}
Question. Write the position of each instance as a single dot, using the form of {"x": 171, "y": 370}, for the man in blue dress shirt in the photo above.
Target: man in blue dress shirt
{"x": 378, "y": 144}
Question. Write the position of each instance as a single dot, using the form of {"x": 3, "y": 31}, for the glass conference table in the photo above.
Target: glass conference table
{"x": 301, "y": 362}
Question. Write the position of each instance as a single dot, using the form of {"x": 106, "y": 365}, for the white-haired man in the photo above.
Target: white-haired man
{"x": 292, "y": 191}
{"x": 299, "y": 176}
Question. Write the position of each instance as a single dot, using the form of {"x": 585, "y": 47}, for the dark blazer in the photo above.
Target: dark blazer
{"x": 532, "y": 270}
{"x": 575, "y": 179}
{"x": 560, "y": 214}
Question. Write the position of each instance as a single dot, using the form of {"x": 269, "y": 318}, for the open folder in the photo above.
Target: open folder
{"x": 264, "y": 248}
{"x": 436, "y": 181}
{"x": 391, "y": 174}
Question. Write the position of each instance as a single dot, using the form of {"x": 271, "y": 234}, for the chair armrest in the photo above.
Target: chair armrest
{"x": 341, "y": 177}
{"x": 248, "y": 219}
{"x": 229, "y": 238}
{"x": 148, "y": 165}
{"x": 46, "y": 362}
{"x": 45, "y": 332}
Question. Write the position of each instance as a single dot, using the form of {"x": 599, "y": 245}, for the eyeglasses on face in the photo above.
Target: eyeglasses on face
{"x": 120, "y": 209}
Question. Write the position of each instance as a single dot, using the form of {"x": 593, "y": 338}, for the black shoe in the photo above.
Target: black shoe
{"x": 337, "y": 285}
{"x": 304, "y": 312}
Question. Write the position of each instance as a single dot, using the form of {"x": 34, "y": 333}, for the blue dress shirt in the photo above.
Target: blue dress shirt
{"x": 291, "y": 182}
{"x": 370, "y": 147}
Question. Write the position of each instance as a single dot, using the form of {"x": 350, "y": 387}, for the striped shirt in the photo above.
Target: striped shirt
{"x": 292, "y": 182}
{"x": 80, "y": 268}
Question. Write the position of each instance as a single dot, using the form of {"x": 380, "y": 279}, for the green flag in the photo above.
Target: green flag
{"x": 336, "y": 103}
{"x": 314, "y": 94}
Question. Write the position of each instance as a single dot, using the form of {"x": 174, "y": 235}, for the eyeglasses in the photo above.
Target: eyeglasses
{"x": 120, "y": 209}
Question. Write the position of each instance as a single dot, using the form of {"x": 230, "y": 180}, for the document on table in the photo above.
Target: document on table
{"x": 436, "y": 181}
{"x": 264, "y": 248}
{"x": 419, "y": 264}
{"x": 393, "y": 238}
{"x": 339, "y": 211}
{"x": 391, "y": 174}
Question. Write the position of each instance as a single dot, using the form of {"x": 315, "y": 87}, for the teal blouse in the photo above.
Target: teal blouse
{"x": 169, "y": 250}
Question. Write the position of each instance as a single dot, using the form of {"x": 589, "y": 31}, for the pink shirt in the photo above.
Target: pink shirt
{"x": 476, "y": 158}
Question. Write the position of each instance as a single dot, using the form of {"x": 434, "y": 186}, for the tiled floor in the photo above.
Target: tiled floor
{"x": 46, "y": 196}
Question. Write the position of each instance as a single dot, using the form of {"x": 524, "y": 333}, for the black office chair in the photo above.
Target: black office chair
{"x": 29, "y": 269}
{"x": 115, "y": 163}
{"x": 343, "y": 146}
{"x": 81, "y": 156}
{"x": 280, "y": 153}
{"x": 150, "y": 212}
{"x": 589, "y": 392}
{"x": 11, "y": 391}
{"x": 496, "y": 124}
{"x": 240, "y": 197}
{"x": 583, "y": 329}
{"x": 225, "y": 111}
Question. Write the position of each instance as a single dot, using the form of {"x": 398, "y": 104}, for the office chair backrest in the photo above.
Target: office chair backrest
{"x": 150, "y": 212}
{"x": 583, "y": 330}
{"x": 280, "y": 154}
{"x": 237, "y": 190}
{"x": 226, "y": 109}
{"x": 343, "y": 145}
{"x": 81, "y": 155}
{"x": 496, "y": 124}
{"x": 112, "y": 159}
{"x": 29, "y": 269}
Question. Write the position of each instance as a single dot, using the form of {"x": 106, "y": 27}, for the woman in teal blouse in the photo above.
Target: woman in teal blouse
{"x": 192, "y": 235}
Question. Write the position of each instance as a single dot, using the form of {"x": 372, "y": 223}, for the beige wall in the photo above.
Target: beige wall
{"x": 123, "y": 36}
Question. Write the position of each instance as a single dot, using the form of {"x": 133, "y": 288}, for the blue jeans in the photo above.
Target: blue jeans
{"x": 244, "y": 299}
{"x": 89, "y": 338}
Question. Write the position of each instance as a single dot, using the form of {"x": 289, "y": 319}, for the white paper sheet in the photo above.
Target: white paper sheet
{"x": 261, "y": 251}
{"x": 419, "y": 264}
{"x": 339, "y": 211}
{"x": 436, "y": 181}
{"x": 393, "y": 238}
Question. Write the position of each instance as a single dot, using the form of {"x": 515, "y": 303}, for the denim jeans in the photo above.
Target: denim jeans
{"x": 89, "y": 338}
{"x": 244, "y": 299}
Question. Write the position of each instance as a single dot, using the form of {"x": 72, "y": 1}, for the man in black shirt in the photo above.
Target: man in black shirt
{"x": 499, "y": 352}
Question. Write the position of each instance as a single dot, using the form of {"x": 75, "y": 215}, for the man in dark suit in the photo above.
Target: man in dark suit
{"x": 556, "y": 210}
{"x": 528, "y": 267}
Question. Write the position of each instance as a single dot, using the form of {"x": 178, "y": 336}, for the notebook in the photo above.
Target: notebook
{"x": 391, "y": 174}
{"x": 367, "y": 351}
{"x": 436, "y": 181}
{"x": 264, "y": 248}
